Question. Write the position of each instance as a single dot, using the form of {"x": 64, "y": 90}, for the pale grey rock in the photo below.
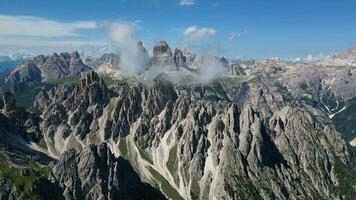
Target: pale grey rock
{"x": 44, "y": 68}
{"x": 179, "y": 59}
{"x": 255, "y": 138}
{"x": 250, "y": 137}
{"x": 162, "y": 56}
{"x": 94, "y": 173}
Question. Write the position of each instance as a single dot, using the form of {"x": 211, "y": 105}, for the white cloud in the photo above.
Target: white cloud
{"x": 123, "y": 35}
{"x": 297, "y": 59}
{"x": 36, "y": 26}
{"x": 194, "y": 33}
{"x": 45, "y": 43}
{"x": 32, "y": 46}
{"x": 187, "y": 2}
{"x": 235, "y": 35}
{"x": 311, "y": 57}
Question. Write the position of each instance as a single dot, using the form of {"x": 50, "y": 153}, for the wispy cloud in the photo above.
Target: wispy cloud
{"x": 44, "y": 43}
{"x": 38, "y": 46}
{"x": 132, "y": 57}
{"x": 194, "y": 33}
{"x": 235, "y": 35}
{"x": 215, "y": 4}
{"x": 186, "y": 2}
{"x": 36, "y": 26}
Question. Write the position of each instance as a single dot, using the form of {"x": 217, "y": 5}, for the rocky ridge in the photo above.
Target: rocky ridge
{"x": 248, "y": 135}
{"x": 203, "y": 142}
{"x": 44, "y": 68}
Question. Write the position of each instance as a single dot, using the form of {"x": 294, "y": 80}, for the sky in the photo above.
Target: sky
{"x": 233, "y": 28}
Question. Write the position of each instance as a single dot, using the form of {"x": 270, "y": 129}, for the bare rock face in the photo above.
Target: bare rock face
{"x": 95, "y": 173}
{"x": 143, "y": 54}
{"x": 201, "y": 142}
{"x": 9, "y": 101}
{"x": 233, "y": 69}
{"x": 224, "y": 62}
{"x": 72, "y": 109}
{"x": 162, "y": 56}
{"x": 179, "y": 59}
{"x": 16, "y": 116}
{"x": 236, "y": 70}
{"x": 189, "y": 56}
{"x": 26, "y": 74}
{"x": 44, "y": 68}
{"x": 249, "y": 135}
{"x": 111, "y": 59}
{"x": 63, "y": 65}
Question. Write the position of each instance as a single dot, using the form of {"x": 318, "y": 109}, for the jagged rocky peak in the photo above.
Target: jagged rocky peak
{"x": 110, "y": 58}
{"x": 95, "y": 173}
{"x": 202, "y": 148}
{"x": 27, "y": 71}
{"x": 161, "y": 47}
{"x": 94, "y": 88}
{"x": 162, "y": 55}
{"x": 75, "y": 55}
{"x": 224, "y": 62}
{"x": 143, "y": 54}
{"x": 141, "y": 47}
{"x": 40, "y": 59}
{"x": 179, "y": 58}
{"x": 16, "y": 115}
{"x": 92, "y": 79}
{"x": 189, "y": 56}
{"x": 44, "y": 68}
{"x": 61, "y": 65}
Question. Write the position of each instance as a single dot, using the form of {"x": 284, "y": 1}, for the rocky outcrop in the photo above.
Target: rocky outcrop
{"x": 236, "y": 70}
{"x": 144, "y": 56}
{"x": 8, "y": 101}
{"x": 62, "y": 65}
{"x": 95, "y": 173}
{"x": 44, "y": 68}
{"x": 16, "y": 117}
{"x": 3, "y": 76}
{"x": 111, "y": 59}
{"x": 189, "y": 56}
{"x": 233, "y": 69}
{"x": 208, "y": 142}
{"x": 25, "y": 75}
{"x": 179, "y": 59}
{"x": 234, "y": 138}
{"x": 162, "y": 56}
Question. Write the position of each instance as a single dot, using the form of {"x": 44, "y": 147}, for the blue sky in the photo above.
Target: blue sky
{"x": 238, "y": 28}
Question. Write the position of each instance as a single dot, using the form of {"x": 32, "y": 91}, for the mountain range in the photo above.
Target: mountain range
{"x": 186, "y": 126}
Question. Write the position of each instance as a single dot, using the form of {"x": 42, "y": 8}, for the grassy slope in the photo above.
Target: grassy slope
{"x": 345, "y": 121}
{"x": 347, "y": 179}
{"x": 165, "y": 185}
{"x": 22, "y": 178}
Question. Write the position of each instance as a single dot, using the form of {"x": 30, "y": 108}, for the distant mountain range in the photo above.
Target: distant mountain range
{"x": 11, "y": 61}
